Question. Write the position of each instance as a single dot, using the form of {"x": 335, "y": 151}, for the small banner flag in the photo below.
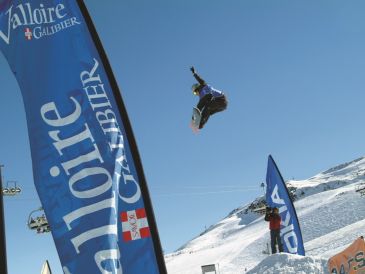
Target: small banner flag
{"x": 86, "y": 166}
{"x": 349, "y": 261}
{"x": 277, "y": 195}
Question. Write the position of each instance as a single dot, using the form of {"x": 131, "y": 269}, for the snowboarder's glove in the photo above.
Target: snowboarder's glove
{"x": 192, "y": 70}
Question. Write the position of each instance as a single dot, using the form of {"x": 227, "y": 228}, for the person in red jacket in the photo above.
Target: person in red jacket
{"x": 272, "y": 215}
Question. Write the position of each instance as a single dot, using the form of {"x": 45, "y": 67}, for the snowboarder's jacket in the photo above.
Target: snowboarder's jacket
{"x": 210, "y": 90}
{"x": 274, "y": 219}
{"x": 205, "y": 89}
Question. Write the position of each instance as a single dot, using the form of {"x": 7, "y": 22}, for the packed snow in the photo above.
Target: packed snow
{"x": 331, "y": 212}
{"x": 288, "y": 263}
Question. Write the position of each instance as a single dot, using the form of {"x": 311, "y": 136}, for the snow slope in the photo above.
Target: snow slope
{"x": 331, "y": 214}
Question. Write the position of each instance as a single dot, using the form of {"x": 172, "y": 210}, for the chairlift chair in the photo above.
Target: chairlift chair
{"x": 6, "y": 191}
{"x": 11, "y": 189}
{"x": 38, "y": 223}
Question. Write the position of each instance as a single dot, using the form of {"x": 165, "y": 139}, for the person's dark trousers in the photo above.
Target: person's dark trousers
{"x": 276, "y": 240}
{"x": 209, "y": 105}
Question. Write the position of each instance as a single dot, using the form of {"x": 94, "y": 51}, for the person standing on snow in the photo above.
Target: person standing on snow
{"x": 272, "y": 215}
{"x": 211, "y": 100}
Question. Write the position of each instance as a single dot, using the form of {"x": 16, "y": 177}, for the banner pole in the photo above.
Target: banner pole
{"x": 133, "y": 146}
{"x": 3, "y": 260}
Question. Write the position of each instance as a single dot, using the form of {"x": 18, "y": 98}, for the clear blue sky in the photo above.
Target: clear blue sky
{"x": 294, "y": 75}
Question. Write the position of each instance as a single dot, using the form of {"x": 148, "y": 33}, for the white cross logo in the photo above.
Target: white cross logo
{"x": 28, "y": 34}
{"x": 134, "y": 225}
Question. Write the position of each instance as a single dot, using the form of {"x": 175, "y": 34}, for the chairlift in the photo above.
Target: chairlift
{"x": 11, "y": 189}
{"x": 38, "y": 223}
{"x": 6, "y": 191}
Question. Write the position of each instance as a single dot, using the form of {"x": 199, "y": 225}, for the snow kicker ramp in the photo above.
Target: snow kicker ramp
{"x": 290, "y": 264}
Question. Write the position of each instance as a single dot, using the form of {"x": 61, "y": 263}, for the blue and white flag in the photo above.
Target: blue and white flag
{"x": 86, "y": 166}
{"x": 277, "y": 195}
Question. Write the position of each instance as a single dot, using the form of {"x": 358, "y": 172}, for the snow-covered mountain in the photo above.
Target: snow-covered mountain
{"x": 331, "y": 212}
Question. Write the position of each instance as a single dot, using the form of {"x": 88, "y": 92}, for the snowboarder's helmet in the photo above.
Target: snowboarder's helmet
{"x": 195, "y": 89}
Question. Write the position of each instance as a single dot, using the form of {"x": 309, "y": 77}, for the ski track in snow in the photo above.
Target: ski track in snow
{"x": 331, "y": 215}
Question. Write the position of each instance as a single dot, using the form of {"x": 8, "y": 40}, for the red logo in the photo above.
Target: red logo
{"x": 28, "y": 34}
{"x": 134, "y": 225}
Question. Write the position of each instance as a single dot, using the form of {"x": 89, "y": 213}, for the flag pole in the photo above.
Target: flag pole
{"x": 3, "y": 261}
{"x": 129, "y": 133}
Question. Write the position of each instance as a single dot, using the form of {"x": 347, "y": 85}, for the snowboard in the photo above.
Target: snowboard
{"x": 195, "y": 119}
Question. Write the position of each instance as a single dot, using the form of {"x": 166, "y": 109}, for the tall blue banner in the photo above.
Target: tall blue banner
{"x": 277, "y": 195}
{"x": 86, "y": 166}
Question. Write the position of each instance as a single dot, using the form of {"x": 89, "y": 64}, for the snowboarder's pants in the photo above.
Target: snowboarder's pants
{"x": 208, "y": 105}
{"x": 275, "y": 240}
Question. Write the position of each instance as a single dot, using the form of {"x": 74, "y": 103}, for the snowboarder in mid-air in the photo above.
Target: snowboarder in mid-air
{"x": 211, "y": 100}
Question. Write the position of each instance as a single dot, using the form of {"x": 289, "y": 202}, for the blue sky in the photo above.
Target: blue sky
{"x": 293, "y": 72}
